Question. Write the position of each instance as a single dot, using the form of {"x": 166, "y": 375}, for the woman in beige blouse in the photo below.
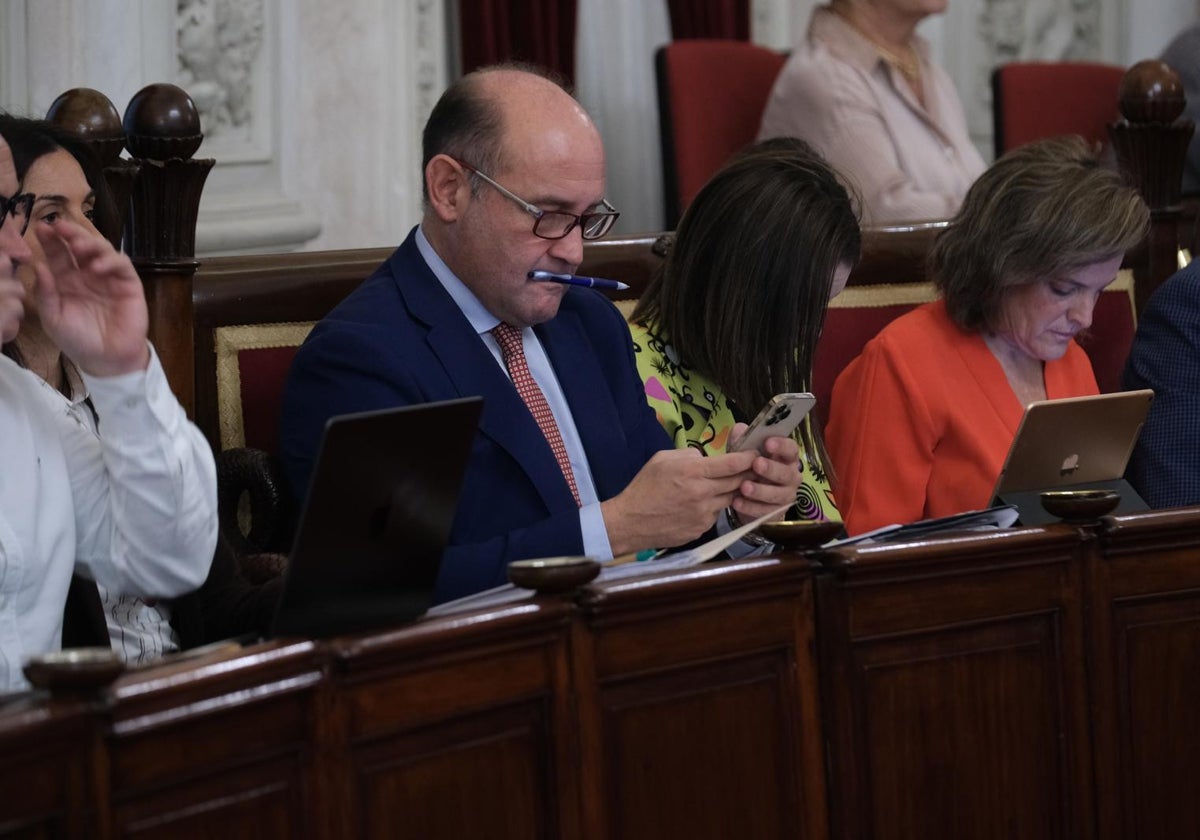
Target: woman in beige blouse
{"x": 864, "y": 91}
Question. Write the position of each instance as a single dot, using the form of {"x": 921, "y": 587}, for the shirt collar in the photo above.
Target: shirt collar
{"x": 477, "y": 314}
{"x": 850, "y": 45}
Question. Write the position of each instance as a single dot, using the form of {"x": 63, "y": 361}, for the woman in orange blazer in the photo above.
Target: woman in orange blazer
{"x": 921, "y": 421}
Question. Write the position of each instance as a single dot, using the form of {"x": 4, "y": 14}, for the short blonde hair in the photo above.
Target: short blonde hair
{"x": 1040, "y": 210}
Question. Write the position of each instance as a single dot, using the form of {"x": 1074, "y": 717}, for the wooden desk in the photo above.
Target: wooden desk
{"x": 698, "y": 704}
{"x": 1034, "y": 683}
{"x": 1145, "y": 660}
{"x": 459, "y": 726}
{"x": 955, "y": 688}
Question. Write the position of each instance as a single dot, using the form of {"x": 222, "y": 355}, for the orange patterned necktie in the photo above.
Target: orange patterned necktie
{"x": 509, "y": 339}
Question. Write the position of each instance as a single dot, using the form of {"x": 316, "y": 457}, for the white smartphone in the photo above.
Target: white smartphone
{"x": 780, "y": 416}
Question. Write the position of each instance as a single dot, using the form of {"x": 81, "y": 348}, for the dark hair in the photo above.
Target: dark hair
{"x": 469, "y": 126}
{"x": 743, "y": 292}
{"x": 29, "y": 140}
{"x": 1040, "y": 210}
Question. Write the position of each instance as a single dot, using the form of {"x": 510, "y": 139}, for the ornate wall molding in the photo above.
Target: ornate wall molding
{"x": 222, "y": 55}
{"x": 1040, "y": 30}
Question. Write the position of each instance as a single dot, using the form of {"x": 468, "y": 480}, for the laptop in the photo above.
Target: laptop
{"x": 377, "y": 518}
{"x": 1078, "y": 443}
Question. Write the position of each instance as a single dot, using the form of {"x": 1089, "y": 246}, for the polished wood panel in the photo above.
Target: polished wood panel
{"x": 1145, "y": 646}
{"x": 697, "y": 704}
{"x": 218, "y": 746}
{"x": 1032, "y": 683}
{"x": 955, "y": 688}
{"x": 50, "y": 773}
{"x": 459, "y": 727}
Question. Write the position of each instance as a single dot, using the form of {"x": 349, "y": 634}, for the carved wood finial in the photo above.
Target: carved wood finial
{"x": 1151, "y": 143}
{"x": 1151, "y": 92}
{"x": 91, "y": 115}
{"x": 162, "y": 131}
{"x": 161, "y": 122}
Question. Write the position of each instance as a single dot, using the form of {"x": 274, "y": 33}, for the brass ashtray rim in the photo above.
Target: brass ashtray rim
{"x": 73, "y": 668}
{"x": 551, "y": 575}
{"x": 794, "y": 533}
{"x": 1082, "y": 505}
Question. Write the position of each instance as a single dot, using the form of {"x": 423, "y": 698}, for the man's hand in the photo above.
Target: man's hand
{"x": 90, "y": 301}
{"x": 675, "y": 498}
{"x": 775, "y": 479}
{"x": 12, "y": 301}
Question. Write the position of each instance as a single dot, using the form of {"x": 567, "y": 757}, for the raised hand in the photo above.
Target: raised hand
{"x": 90, "y": 301}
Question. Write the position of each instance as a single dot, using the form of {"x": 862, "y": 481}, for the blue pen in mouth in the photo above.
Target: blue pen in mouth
{"x": 578, "y": 280}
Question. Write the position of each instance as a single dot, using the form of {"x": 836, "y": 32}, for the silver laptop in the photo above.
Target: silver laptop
{"x": 1069, "y": 444}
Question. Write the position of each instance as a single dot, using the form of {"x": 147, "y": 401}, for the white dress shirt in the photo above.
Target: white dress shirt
{"x": 140, "y": 630}
{"x": 135, "y": 510}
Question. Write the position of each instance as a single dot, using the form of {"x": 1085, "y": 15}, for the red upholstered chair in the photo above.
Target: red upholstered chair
{"x": 252, "y": 365}
{"x": 1107, "y": 341}
{"x": 252, "y": 361}
{"x": 854, "y": 318}
{"x": 1032, "y": 100}
{"x": 711, "y": 96}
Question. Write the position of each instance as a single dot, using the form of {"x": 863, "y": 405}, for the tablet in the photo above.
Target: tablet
{"x": 1073, "y": 443}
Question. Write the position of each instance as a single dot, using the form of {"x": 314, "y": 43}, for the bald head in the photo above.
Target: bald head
{"x": 524, "y": 98}
{"x": 491, "y": 112}
{"x": 505, "y": 147}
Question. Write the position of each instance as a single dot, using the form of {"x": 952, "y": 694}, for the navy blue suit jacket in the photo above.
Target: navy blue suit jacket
{"x": 399, "y": 339}
{"x": 1165, "y": 468}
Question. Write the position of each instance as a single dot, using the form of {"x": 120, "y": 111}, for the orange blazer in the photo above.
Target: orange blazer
{"x": 921, "y": 421}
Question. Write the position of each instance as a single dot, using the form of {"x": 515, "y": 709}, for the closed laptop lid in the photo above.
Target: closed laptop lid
{"x": 1074, "y": 441}
{"x": 377, "y": 518}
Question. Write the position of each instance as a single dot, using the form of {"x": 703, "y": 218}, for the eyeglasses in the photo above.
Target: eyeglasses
{"x": 20, "y": 207}
{"x": 556, "y": 224}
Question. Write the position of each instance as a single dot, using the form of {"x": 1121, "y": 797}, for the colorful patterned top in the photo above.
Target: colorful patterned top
{"x": 696, "y": 413}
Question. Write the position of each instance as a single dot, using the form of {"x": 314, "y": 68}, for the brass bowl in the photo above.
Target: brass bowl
{"x": 74, "y": 669}
{"x": 799, "y": 533}
{"x": 1079, "y": 505}
{"x": 552, "y": 575}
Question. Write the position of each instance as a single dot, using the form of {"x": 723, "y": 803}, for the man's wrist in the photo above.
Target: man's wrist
{"x": 734, "y": 522}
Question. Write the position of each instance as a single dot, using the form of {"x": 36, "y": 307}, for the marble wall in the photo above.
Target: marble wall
{"x": 313, "y": 109}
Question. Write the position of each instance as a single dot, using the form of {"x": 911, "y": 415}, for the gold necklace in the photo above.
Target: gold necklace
{"x": 909, "y": 67}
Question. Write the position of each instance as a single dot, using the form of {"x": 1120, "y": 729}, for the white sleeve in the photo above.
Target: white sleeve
{"x": 145, "y": 500}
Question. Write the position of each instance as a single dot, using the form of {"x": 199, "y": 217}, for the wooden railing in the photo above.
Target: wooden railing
{"x": 1034, "y": 683}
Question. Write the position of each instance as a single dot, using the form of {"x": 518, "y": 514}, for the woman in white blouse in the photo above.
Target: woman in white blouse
{"x": 136, "y": 509}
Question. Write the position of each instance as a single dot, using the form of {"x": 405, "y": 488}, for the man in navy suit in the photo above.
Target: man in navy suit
{"x": 1165, "y": 468}
{"x": 514, "y": 181}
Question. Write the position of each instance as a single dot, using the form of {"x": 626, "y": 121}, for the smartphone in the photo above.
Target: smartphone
{"x": 780, "y": 416}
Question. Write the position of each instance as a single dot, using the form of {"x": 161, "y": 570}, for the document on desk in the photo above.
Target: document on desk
{"x": 993, "y": 518}
{"x": 689, "y": 557}
{"x": 507, "y": 593}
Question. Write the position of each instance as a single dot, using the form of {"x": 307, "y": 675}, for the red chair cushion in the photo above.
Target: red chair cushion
{"x": 263, "y": 372}
{"x": 1034, "y": 100}
{"x": 1108, "y": 340}
{"x": 716, "y": 91}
